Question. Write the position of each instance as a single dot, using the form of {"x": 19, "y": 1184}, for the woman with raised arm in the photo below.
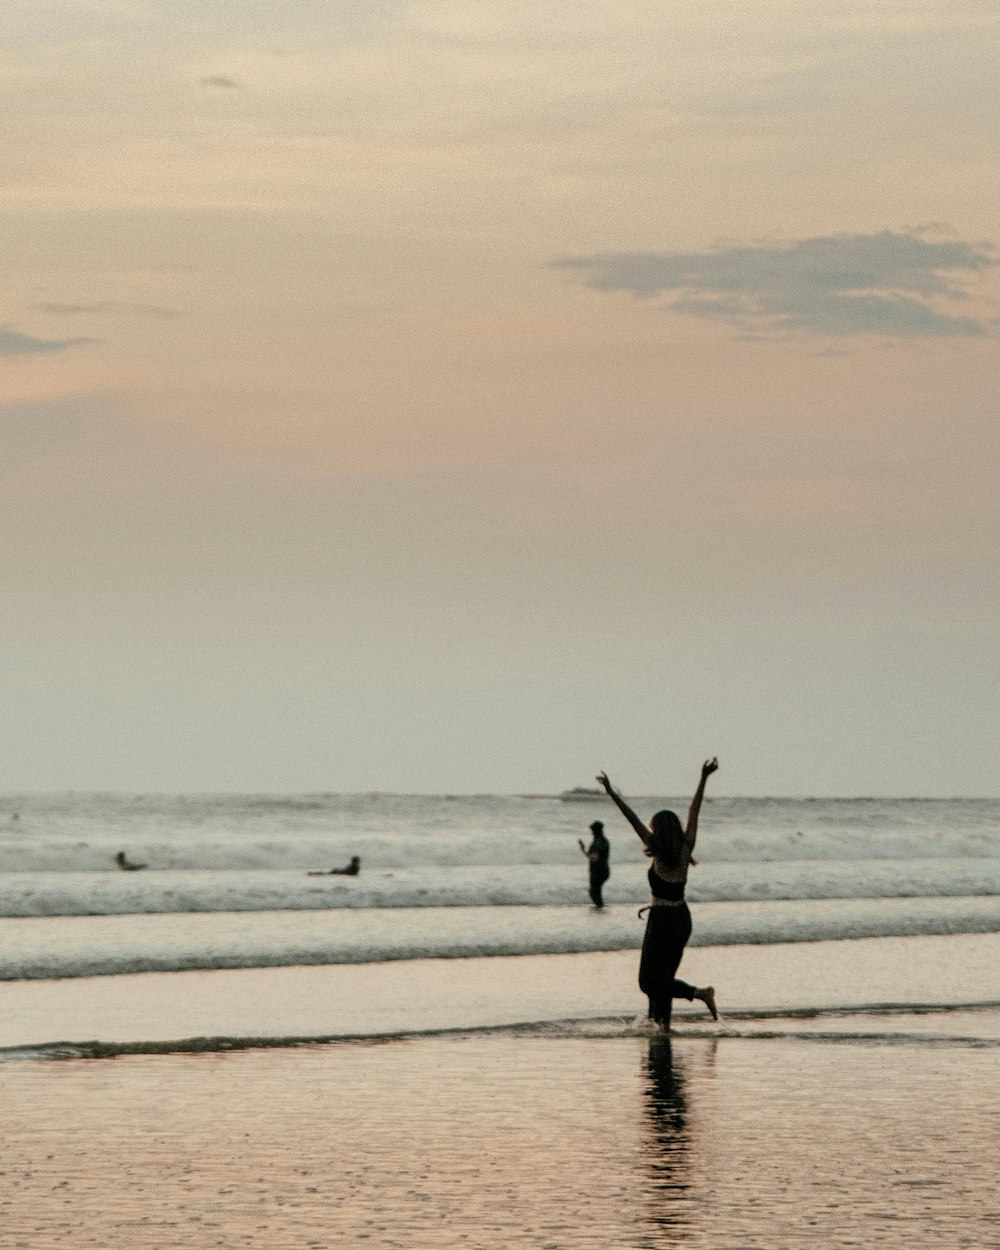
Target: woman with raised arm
{"x": 670, "y": 845}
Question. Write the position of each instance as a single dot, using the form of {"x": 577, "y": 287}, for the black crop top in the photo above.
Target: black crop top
{"x": 673, "y": 891}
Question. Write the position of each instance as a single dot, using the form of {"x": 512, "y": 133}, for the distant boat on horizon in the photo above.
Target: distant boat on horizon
{"x": 582, "y": 794}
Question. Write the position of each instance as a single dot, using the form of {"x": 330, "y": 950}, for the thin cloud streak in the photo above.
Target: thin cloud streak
{"x": 853, "y": 284}
{"x": 222, "y": 81}
{"x": 121, "y": 307}
{"x": 12, "y": 343}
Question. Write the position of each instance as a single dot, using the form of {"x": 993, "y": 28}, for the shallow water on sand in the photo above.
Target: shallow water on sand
{"x": 406, "y": 997}
{"x": 489, "y": 1141}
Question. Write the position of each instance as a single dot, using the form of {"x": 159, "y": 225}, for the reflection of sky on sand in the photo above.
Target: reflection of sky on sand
{"x": 521, "y": 1142}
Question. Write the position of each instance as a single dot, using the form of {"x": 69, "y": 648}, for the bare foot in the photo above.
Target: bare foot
{"x": 707, "y": 996}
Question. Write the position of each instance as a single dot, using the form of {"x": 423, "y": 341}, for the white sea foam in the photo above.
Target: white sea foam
{"x": 528, "y": 885}
{"x": 82, "y": 833}
{"x": 473, "y": 874}
{"x": 105, "y": 945}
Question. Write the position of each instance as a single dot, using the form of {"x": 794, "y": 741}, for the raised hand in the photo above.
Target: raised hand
{"x": 709, "y": 767}
{"x": 641, "y": 829}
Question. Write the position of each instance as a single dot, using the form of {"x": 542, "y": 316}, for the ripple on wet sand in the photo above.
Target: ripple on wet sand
{"x": 499, "y": 1141}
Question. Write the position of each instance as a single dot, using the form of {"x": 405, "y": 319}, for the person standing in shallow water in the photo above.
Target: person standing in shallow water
{"x": 670, "y": 845}
{"x": 599, "y": 852}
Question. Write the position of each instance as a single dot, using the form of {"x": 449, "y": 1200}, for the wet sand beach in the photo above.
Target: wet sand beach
{"x": 849, "y": 1099}
{"x": 508, "y": 1141}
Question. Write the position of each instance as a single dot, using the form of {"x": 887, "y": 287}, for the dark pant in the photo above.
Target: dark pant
{"x": 667, "y": 933}
{"x": 599, "y": 873}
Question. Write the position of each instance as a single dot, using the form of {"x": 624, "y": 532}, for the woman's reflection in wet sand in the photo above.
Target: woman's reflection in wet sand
{"x": 668, "y": 1116}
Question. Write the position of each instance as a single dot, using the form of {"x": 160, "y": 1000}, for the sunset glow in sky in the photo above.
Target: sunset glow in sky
{"x": 460, "y": 396}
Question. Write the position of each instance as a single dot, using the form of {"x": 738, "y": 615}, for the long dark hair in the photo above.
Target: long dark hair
{"x": 667, "y": 838}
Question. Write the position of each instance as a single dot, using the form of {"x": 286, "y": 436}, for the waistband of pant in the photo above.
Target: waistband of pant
{"x": 663, "y": 902}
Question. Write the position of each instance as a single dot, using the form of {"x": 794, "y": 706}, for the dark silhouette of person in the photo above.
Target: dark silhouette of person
{"x": 126, "y": 865}
{"x": 598, "y": 853}
{"x": 670, "y": 845}
{"x": 350, "y": 870}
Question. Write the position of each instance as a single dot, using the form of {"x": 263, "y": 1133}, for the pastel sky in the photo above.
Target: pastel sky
{"x": 466, "y": 396}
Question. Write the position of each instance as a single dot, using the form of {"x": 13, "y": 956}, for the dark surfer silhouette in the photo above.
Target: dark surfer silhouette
{"x": 349, "y": 870}
{"x": 126, "y": 865}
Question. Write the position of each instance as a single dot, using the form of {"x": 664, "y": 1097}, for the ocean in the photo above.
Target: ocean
{"x": 461, "y": 875}
{"x": 226, "y": 881}
{"x": 450, "y": 1049}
